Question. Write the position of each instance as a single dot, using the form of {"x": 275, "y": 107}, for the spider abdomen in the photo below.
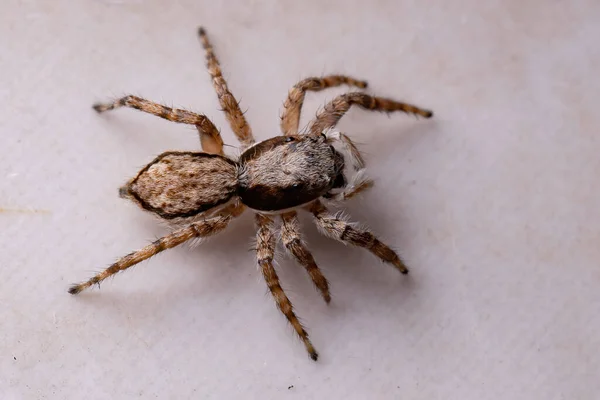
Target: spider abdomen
{"x": 183, "y": 184}
{"x": 286, "y": 172}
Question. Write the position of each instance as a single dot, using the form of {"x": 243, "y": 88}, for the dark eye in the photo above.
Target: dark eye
{"x": 289, "y": 139}
{"x": 297, "y": 186}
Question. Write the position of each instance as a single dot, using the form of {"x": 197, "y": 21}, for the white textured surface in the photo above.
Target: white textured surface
{"x": 494, "y": 204}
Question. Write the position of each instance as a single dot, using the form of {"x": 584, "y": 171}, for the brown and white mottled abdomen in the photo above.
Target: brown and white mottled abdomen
{"x": 183, "y": 184}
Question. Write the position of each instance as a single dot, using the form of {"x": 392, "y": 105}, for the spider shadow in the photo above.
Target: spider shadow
{"x": 369, "y": 207}
{"x": 354, "y": 271}
{"x": 356, "y": 276}
{"x": 221, "y": 264}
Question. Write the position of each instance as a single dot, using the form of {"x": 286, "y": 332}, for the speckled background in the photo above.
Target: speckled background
{"x": 493, "y": 203}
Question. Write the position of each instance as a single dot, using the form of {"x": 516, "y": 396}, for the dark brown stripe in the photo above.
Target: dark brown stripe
{"x": 159, "y": 244}
{"x": 344, "y": 234}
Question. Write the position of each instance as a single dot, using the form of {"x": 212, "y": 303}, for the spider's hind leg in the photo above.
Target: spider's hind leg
{"x": 205, "y": 228}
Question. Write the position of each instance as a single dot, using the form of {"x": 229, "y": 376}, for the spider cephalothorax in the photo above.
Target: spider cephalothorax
{"x": 288, "y": 171}
{"x": 204, "y": 191}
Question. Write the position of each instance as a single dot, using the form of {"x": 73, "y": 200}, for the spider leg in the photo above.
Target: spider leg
{"x": 292, "y": 240}
{"x": 265, "y": 250}
{"x": 355, "y": 157}
{"x": 359, "y": 181}
{"x": 336, "y": 108}
{"x": 235, "y": 209}
{"x": 210, "y": 138}
{"x": 357, "y": 184}
{"x": 335, "y": 227}
{"x": 208, "y": 227}
{"x": 292, "y": 107}
{"x": 234, "y": 114}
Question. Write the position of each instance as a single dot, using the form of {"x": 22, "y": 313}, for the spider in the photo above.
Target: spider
{"x": 202, "y": 192}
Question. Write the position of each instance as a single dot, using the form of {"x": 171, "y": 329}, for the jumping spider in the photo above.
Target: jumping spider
{"x": 203, "y": 191}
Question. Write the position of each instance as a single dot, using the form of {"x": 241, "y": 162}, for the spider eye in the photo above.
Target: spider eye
{"x": 289, "y": 139}
{"x": 295, "y": 187}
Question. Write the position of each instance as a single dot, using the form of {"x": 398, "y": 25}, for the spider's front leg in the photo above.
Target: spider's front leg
{"x": 337, "y": 228}
{"x": 337, "y": 108}
{"x": 201, "y": 229}
{"x": 265, "y": 251}
{"x": 356, "y": 159}
{"x": 292, "y": 107}
{"x": 210, "y": 138}
{"x": 358, "y": 180}
{"x": 359, "y": 183}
